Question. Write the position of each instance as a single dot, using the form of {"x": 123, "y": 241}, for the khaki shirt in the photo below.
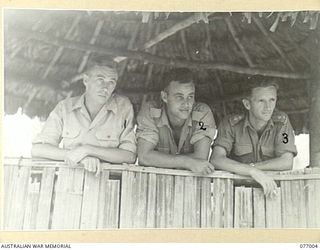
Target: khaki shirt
{"x": 242, "y": 143}
{"x": 71, "y": 123}
{"x": 154, "y": 127}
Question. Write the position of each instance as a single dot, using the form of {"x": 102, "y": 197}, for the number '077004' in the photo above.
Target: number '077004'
{"x": 308, "y": 245}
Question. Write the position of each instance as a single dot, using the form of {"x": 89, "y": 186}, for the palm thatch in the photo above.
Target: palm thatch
{"x": 46, "y": 53}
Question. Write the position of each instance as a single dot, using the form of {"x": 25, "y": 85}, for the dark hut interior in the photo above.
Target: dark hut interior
{"x": 46, "y": 52}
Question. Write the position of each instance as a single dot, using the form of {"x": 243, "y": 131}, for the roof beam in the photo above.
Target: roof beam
{"x": 271, "y": 41}
{"x": 92, "y": 41}
{"x": 60, "y": 49}
{"x": 238, "y": 42}
{"x": 174, "y": 29}
{"x": 143, "y": 56}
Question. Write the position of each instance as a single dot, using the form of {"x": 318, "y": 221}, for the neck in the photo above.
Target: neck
{"x": 175, "y": 121}
{"x": 92, "y": 106}
{"x": 258, "y": 125}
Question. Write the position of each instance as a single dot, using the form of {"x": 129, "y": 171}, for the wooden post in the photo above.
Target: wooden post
{"x": 314, "y": 123}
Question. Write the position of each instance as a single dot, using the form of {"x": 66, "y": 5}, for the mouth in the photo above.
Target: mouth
{"x": 103, "y": 93}
{"x": 184, "y": 110}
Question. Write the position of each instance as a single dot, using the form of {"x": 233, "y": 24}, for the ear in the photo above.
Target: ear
{"x": 85, "y": 79}
{"x": 246, "y": 103}
{"x": 164, "y": 96}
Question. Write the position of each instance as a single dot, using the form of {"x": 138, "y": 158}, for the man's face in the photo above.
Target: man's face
{"x": 99, "y": 86}
{"x": 179, "y": 98}
{"x": 262, "y": 103}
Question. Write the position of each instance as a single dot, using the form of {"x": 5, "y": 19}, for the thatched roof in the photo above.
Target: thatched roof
{"x": 46, "y": 52}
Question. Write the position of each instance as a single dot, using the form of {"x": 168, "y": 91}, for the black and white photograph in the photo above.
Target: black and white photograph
{"x": 143, "y": 120}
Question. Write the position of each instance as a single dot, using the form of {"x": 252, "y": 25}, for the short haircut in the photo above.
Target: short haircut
{"x": 182, "y": 75}
{"x": 261, "y": 82}
{"x": 111, "y": 72}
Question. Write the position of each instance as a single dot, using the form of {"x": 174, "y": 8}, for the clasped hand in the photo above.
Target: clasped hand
{"x": 79, "y": 155}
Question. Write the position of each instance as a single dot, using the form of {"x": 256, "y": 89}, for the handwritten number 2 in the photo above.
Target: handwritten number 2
{"x": 201, "y": 126}
{"x": 285, "y": 138}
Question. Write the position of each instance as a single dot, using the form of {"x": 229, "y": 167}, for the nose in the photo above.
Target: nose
{"x": 186, "y": 103}
{"x": 268, "y": 105}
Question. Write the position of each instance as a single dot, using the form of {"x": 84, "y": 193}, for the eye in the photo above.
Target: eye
{"x": 179, "y": 97}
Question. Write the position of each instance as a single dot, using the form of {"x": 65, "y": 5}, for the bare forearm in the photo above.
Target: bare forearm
{"x": 281, "y": 163}
{"x": 197, "y": 156}
{"x": 48, "y": 151}
{"x": 157, "y": 159}
{"x": 112, "y": 155}
{"x": 226, "y": 164}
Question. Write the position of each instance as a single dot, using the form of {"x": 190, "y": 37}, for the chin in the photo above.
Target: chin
{"x": 183, "y": 116}
{"x": 265, "y": 118}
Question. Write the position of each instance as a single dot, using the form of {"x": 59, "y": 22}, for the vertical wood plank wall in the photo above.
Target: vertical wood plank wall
{"x": 66, "y": 198}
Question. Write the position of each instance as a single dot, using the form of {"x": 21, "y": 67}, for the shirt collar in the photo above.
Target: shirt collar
{"x": 164, "y": 120}
{"x": 111, "y": 105}
{"x": 247, "y": 123}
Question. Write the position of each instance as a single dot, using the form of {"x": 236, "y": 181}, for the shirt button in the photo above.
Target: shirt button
{"x": 108, "y": 136}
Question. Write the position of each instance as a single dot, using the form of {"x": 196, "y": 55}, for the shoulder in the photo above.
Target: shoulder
{"x": 234, "y": 119}
{"x": 68, "y": 103}
{"x": 151, "y": 108}
{"x": 201, "y": 107}
{"x": 199, "y": 110}
{"x": 280, "y": 117}
{"x": 122, "y": 101}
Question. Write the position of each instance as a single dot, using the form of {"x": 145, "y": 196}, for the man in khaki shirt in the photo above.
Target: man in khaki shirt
{"x": 95, "y": 126}
{"x": 260, "y": 140}
{"x": 176, "y": 132}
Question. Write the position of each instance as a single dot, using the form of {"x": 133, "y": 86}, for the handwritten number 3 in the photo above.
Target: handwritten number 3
{"x": 201, "y": 126}
{"x": 285, "y": 138}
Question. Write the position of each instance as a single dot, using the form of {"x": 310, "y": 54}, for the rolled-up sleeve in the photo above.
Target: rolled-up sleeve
{"x": 127, "y": 137}
{"x": 285, "y": 140}
{"x": 147, "y": 128}
{"x": 225, "y": 137}
{"x": 52, "y": 129}
{"x": 205, "y": 124}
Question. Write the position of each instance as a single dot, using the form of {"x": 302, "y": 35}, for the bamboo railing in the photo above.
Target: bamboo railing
{"x": 40, "y": 195}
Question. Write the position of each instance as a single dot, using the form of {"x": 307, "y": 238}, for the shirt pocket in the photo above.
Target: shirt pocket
{"x": 71, "y": 136}
{"x": 243, "y": 149}
{"x": 107, "y": 139}
{"x": 267, "y": 152}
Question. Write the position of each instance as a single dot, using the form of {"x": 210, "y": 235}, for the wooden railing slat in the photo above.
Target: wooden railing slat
{"x": 126, "y": 215}
{"x": 273, "y": 211}
{"x": 243, "y": 216}
{"x": 46, "y": 195}
{"x": 69, "y": 194}
{"x": 259, "y": 208}
{"x": 151, "y": 201}
{"x": 206, "y": 208}
{"x": 10, "y": 188}
{"x": 178, "y": 202}
{"x": 32, "y": 204}
{"x": 140, "y": 191}
{"x": 228, "y": 208}
{"x": 190, "y": 199}
{"x": 293, "y": 204}
{"x": 90, "y": 202}
{"x": 103, "y": 193}
{"x": 19, "y": 198}
{"x": 313, "y": 203}
{"x": 112, "y": 204}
